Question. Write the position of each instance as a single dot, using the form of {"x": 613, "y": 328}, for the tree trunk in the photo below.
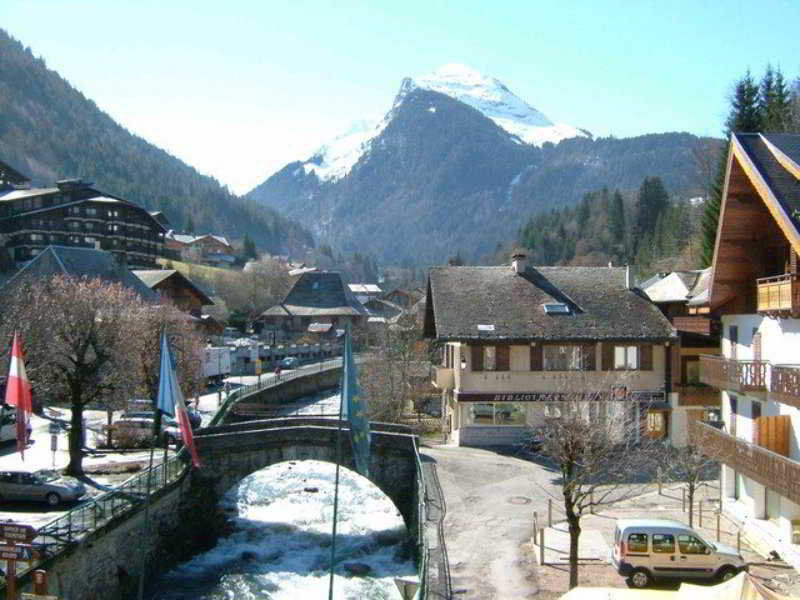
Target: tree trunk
{"x": 574, "y": 522}
{"x": 75, "y": 466}
{"x": 691, "y": 504}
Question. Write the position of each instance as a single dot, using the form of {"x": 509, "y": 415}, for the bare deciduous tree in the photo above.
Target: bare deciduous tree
{"x": 251, "y": 292}
{"x": 77, "y": 335}
{"x": 602, "y": 454}
{"x": 694, "y": 464}
{"x": 395, "y": 371}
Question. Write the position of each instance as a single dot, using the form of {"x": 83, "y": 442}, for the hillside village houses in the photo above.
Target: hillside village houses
{"x": 318, "y": 303}
{"x": 755, "y": 290}
{"x": 213, "y": 250}
{"x": 517, "y": 338}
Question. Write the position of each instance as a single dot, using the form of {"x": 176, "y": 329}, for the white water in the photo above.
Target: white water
{"x": 281, "y": 545}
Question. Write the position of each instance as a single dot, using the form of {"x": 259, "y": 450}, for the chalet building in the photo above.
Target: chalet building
{"x": 516, "y": 339}
{"x": 697, "y": 335}
{"x": 364, "y": 292}
{"x": 403, "y": 297}
{"x": 755, "y": 288}
{"x": 74, "y": 262}
{"x": 214, "y": 250}
{"x": 73, "y": 213}
{"x": 318, "y": 302}
{"x": 177, "y": 288}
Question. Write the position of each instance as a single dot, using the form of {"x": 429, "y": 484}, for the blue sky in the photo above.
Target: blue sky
{"x": 239, "y": 88}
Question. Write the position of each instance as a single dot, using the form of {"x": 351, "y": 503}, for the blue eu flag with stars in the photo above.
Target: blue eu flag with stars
{"x": 354, "y": 408}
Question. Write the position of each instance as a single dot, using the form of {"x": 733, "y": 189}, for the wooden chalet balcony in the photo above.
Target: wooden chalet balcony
{"x": 776, "y": 472}
{"x": 734, "y": 375}
{"x": 779, "y": 295}
{"x": 697, "y": 395}
{"x": 784, "y": 384}
{"x": 444, "y": 379}
{"x": 702, "y": 325}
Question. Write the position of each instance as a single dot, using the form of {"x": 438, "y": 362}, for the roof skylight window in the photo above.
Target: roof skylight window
{"x": 556, "y": 309}
{"x": 485, "y": 327}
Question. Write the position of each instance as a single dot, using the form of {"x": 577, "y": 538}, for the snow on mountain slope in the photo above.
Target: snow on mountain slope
{"x": 486, "y": 94}
{"x": 497, "y": 102}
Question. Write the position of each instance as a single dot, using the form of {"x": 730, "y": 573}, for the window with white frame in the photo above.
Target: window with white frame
{"x": 626, "y": 357}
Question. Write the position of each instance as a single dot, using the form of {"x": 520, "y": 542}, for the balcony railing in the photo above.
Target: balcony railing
{"x": 444, "y": 378}
{"x": 697, "y": 395}
{"x": 784, "y": 384}
{"x": 735, "y": 375}
{"x": 776, "y": 472}
{"x": 779, "y": 295}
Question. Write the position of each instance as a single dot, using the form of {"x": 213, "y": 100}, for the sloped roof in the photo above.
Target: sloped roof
{"x": 510, "y": 306}
{"x": 81, "y": 262}
{"x": 318, "y": 294}
{"x": 784, "y": 184}
{"x": 364, "y": 288}
{"x": 11, "y": 175}
{"x": 677, "y": 286}
{"x": 153, "y": 277}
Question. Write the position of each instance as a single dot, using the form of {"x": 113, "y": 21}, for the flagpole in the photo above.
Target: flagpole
{"x": 143, "y": 557}
{"x": 336, "y": 481}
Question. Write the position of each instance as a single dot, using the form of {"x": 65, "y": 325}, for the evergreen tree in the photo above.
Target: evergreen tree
{"x": 653, "y": 200}
{"x": 249, "y": 247}
{"x": 616, "y": 218}
{"x": 774, "y": 102}
{"x": 189, "y": 226}
{"x": 745, "y": 115}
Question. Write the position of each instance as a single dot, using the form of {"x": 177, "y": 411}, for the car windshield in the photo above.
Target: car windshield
{"x": 46, "y": 475}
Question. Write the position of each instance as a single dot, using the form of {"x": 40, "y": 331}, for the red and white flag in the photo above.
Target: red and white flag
{"x": 18, "y": 393}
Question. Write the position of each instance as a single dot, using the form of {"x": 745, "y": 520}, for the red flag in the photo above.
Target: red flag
{"x": 18, "y": 393}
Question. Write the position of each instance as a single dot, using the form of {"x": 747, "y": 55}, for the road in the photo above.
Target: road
{"x": 490, "y": 499}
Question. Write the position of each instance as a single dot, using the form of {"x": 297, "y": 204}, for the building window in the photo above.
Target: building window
{"x": 74, "y": 211}
{"x": 626, "y": 357}
{"x": 562, "y": 358}
{"x": 88, "y": 226}
{"x": 73, "y": 225}
{"x": 37, "y": 237}
{"x": 91, "y": 211}
{"x": 494, "y": 413}
{"x": 489, "y": 358}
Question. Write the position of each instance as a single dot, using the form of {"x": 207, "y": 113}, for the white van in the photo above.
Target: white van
{"x": 8, "y": 427}
{"x": 648, "y": 549}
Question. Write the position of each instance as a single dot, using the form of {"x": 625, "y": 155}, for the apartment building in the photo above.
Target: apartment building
{"x": 755, "y": 289}
{"x": 517, "y": 339}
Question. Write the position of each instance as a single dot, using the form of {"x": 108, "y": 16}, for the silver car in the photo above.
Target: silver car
{"x": 47, "y": 486}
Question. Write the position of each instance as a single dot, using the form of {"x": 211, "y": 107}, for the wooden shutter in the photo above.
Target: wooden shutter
{"x": 588, "y": 362}
{"x": 646, "y": 357}
{"x": 477, "y": 358}
{"x": 502, "y": 357}
{"x": 536, "y": 357}
{"x": 773, "y": 433}
{"x": 608, "y": 357}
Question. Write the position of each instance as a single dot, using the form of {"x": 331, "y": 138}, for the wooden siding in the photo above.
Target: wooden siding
{"x": 694, "y": 395}
{"x": 775, "y": 472}
{"x": 698, "y": 325}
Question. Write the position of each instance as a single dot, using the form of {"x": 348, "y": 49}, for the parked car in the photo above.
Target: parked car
{"x": 650, "y": 549}
{"x": 195, "y": 418}
{"x": 290, "y": 362}
{"x": 47, "y": 486}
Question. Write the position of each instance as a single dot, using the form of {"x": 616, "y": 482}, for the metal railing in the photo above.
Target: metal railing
{"x": 422, "y": 546}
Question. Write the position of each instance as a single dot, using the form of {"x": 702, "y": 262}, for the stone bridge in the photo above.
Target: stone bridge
{"x": 231, "y": 452}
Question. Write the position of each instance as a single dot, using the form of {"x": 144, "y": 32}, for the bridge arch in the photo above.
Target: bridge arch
{"x": 230, "y": 453}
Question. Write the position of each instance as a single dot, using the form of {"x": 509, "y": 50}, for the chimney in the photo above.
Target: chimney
{"x": 628, "y": 278}
{"x": 519, "y": 261}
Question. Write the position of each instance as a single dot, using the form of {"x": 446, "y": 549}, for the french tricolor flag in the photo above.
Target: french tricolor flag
{"x": 170, "y": 398}
{"x": 18, "y": 393}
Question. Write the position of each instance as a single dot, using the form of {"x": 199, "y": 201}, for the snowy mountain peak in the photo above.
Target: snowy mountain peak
{"x": 460, "y": 82}
{"x": 492, "y": 98}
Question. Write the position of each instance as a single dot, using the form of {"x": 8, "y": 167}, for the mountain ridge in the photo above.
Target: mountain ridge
{"x": 50, "y": 130}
